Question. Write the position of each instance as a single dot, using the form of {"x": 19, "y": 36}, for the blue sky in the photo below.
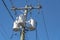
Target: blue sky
{"x": 51, "y": 11}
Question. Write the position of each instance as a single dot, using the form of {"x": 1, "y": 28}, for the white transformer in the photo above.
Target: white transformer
{"x": 32, "y": 24}
{"x": 19, "y": 23}
{"x": 21, "y": 20}
{"x": 15, "y": 26}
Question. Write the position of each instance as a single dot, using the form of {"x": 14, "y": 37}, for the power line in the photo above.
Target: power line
{"x": 26, "y": 2}
{"x": 8, "y": 10}
{"x": 36, "y": 32}
{"x": 11, "y": 2}
{"x": 4, "y": 29}
{"x": 3, "y": 34}
{"x": 13, "y": 7}
{"x": 45, "y": 25}
{"x": 39, "y": 6}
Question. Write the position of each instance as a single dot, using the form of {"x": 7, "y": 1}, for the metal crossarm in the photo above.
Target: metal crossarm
{"x": 26, "y": 8}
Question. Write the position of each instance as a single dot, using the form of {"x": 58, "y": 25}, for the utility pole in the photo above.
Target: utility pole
{"x": 26, "y": 9}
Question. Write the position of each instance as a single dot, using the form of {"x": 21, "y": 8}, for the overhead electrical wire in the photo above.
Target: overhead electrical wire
{"x": 36, "y": 32}
{"x": 13, "y": 6}
{"x": 3, "y": 33}
{"x": 4, "y": 30}
{"x": 26, "y": 18}
{"x": 45, "y": 25}
{"x": 36, "y": 22}
{"x": 38, "y": 4}
{"x": 8, "y": 10}
{"x": 26, "y": 2}
{"x": 11, "y": 2}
